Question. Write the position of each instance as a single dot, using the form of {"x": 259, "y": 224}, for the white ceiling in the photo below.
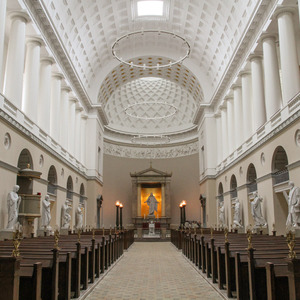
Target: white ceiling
{"x": 80, "y": 34}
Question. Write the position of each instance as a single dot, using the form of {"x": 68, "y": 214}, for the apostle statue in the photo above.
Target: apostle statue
{"x": 293, "y": 201}
{"x": 46, "y": 215}
{"x": 237, "y": 214}
{"x": 13, "y": 203}
{"x": 79, "y": 218}
{"x": 258, "y": 218}
{"x": 152, "y": 203}
{"x": 65, "y": 215}
{"x": 221, "y": 214}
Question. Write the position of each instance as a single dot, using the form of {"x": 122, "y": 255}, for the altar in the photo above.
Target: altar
{"x": 145, "y": 184}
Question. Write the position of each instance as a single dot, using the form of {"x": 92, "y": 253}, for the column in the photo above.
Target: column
{"x": 64, "y": 116}
{"x": 247, "y": 104}
{"x": 2, "y": 33}
{"x": 288, "y": 55}
{"x": 139, "y": 190}
{"x": 163, "y": 200}
{"x": 55, "y": 106}
{"x": 44, "y": 103}
{"x": 238, "y": 115}
{"x": 31, "y": 78}
{"x": 78, "y": 111}
{"x": 273, "y": 96}
{"x": 219, "y": 137}
{"x": 71, "y": 133}
{"x": 83, "y": 138}
{"x": 224, "y": 130}
{"x": 13, "y": 81}
{"x": 230, "y": 126}
{"x": 259, "y": 110}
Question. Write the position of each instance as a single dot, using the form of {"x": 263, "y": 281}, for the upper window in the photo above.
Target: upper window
{"x": 154, "y": 9}
{"x": 150, "y": 8}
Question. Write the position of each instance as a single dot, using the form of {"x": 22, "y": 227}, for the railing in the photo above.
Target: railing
{"x": 69, "y": 195}
{"x": 281, "y": 176}
{"x": 233, "y": 193}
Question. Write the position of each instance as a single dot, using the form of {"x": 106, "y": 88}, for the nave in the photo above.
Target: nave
{"x": 153, "y": 270}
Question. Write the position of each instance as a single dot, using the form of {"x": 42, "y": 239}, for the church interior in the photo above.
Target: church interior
{"x": 151, "y": 120}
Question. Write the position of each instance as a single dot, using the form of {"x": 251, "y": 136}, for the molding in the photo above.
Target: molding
{"x": 294, "y": 165}
{"x": 9, "y": 167}
{"x": 284, "y": 125}
{"x": 154, "y": 153}
{"x": 263, "y": 178}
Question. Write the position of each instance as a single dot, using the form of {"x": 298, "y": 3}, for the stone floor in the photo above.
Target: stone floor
{"x": 153, "y": 271}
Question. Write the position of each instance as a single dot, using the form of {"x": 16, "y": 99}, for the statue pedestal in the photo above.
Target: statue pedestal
{"x": 6, "y": 234}
{"x": 64, "y": 231}
{"x": 43, "y": 232}
{"x": 260, "y": 229}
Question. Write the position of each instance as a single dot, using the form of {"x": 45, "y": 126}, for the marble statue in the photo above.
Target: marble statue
{"x": 152, "y": 203}
{"x": 79, "y": 218}
{"x": 46, "y": 215}
{"x": 293, "y": 201}
{"x": 13, "y": 203}
{"x": 65, "y": 215}
{"x": 221, "y": 214}
{"x": 258, "y": 218}
{"x": 237, "y": 214}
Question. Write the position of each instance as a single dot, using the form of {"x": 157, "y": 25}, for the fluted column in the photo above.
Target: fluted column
{"x": 64, "y": 116}
{"x": 44, "y": 103}
{"x": 83, "y": 138}
{"x": 224, "y": 130}
{"x": 13, "y": 82}
{"x": 71, "y": 133}
{"x": 2, "y": 33}
{"x": 78, "y": 111}
{"x": 31, "y": 78}
{"x": 230, "y": 126}
{"x": 273, "y": 96}
{"x": 247, "y": 104}
{"x": 238, "y": 115}
{"x": 219, "y": 137}
{"x": 55, "y": 106}
{"x": 259, "y": 110}
{"x": 288, "y": 55}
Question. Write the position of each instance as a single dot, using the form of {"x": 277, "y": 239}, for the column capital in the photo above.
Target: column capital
{"x": 268, "y": 36}
{"x": 217, "y": 114}
{"x": 228, "y": 97}
{"x": 283, "y": 10}
{"x": 19, "y": 14}
{"x": 84, "y": 116}
{"x": 79, "y": 107}
{"x": 57, "y": 75}
{"x": 66, "y": 88}
{"x": 253, "y": 57}
{"x": 73, "y": 99}
{"x": 35, "y": 40}
{"x": 236, "y": 86}
{"x": 245, "y": 73}
{"x": 47, "y": 59}
{"x": 223, "y": 105}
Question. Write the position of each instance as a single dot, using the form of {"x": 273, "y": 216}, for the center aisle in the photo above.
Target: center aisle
{"x": 153, "y": 271}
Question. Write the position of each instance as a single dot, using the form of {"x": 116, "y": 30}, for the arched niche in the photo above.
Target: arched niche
{"x": 280, "y": 162}
{"x": 70, "y": 188}
{"x": 25, "y": 162}
{"x": 233, "y": 187}
{"x": 82, "y": 193}
{"x": 251, "y": 179}
{"x": 52, "y": 180}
